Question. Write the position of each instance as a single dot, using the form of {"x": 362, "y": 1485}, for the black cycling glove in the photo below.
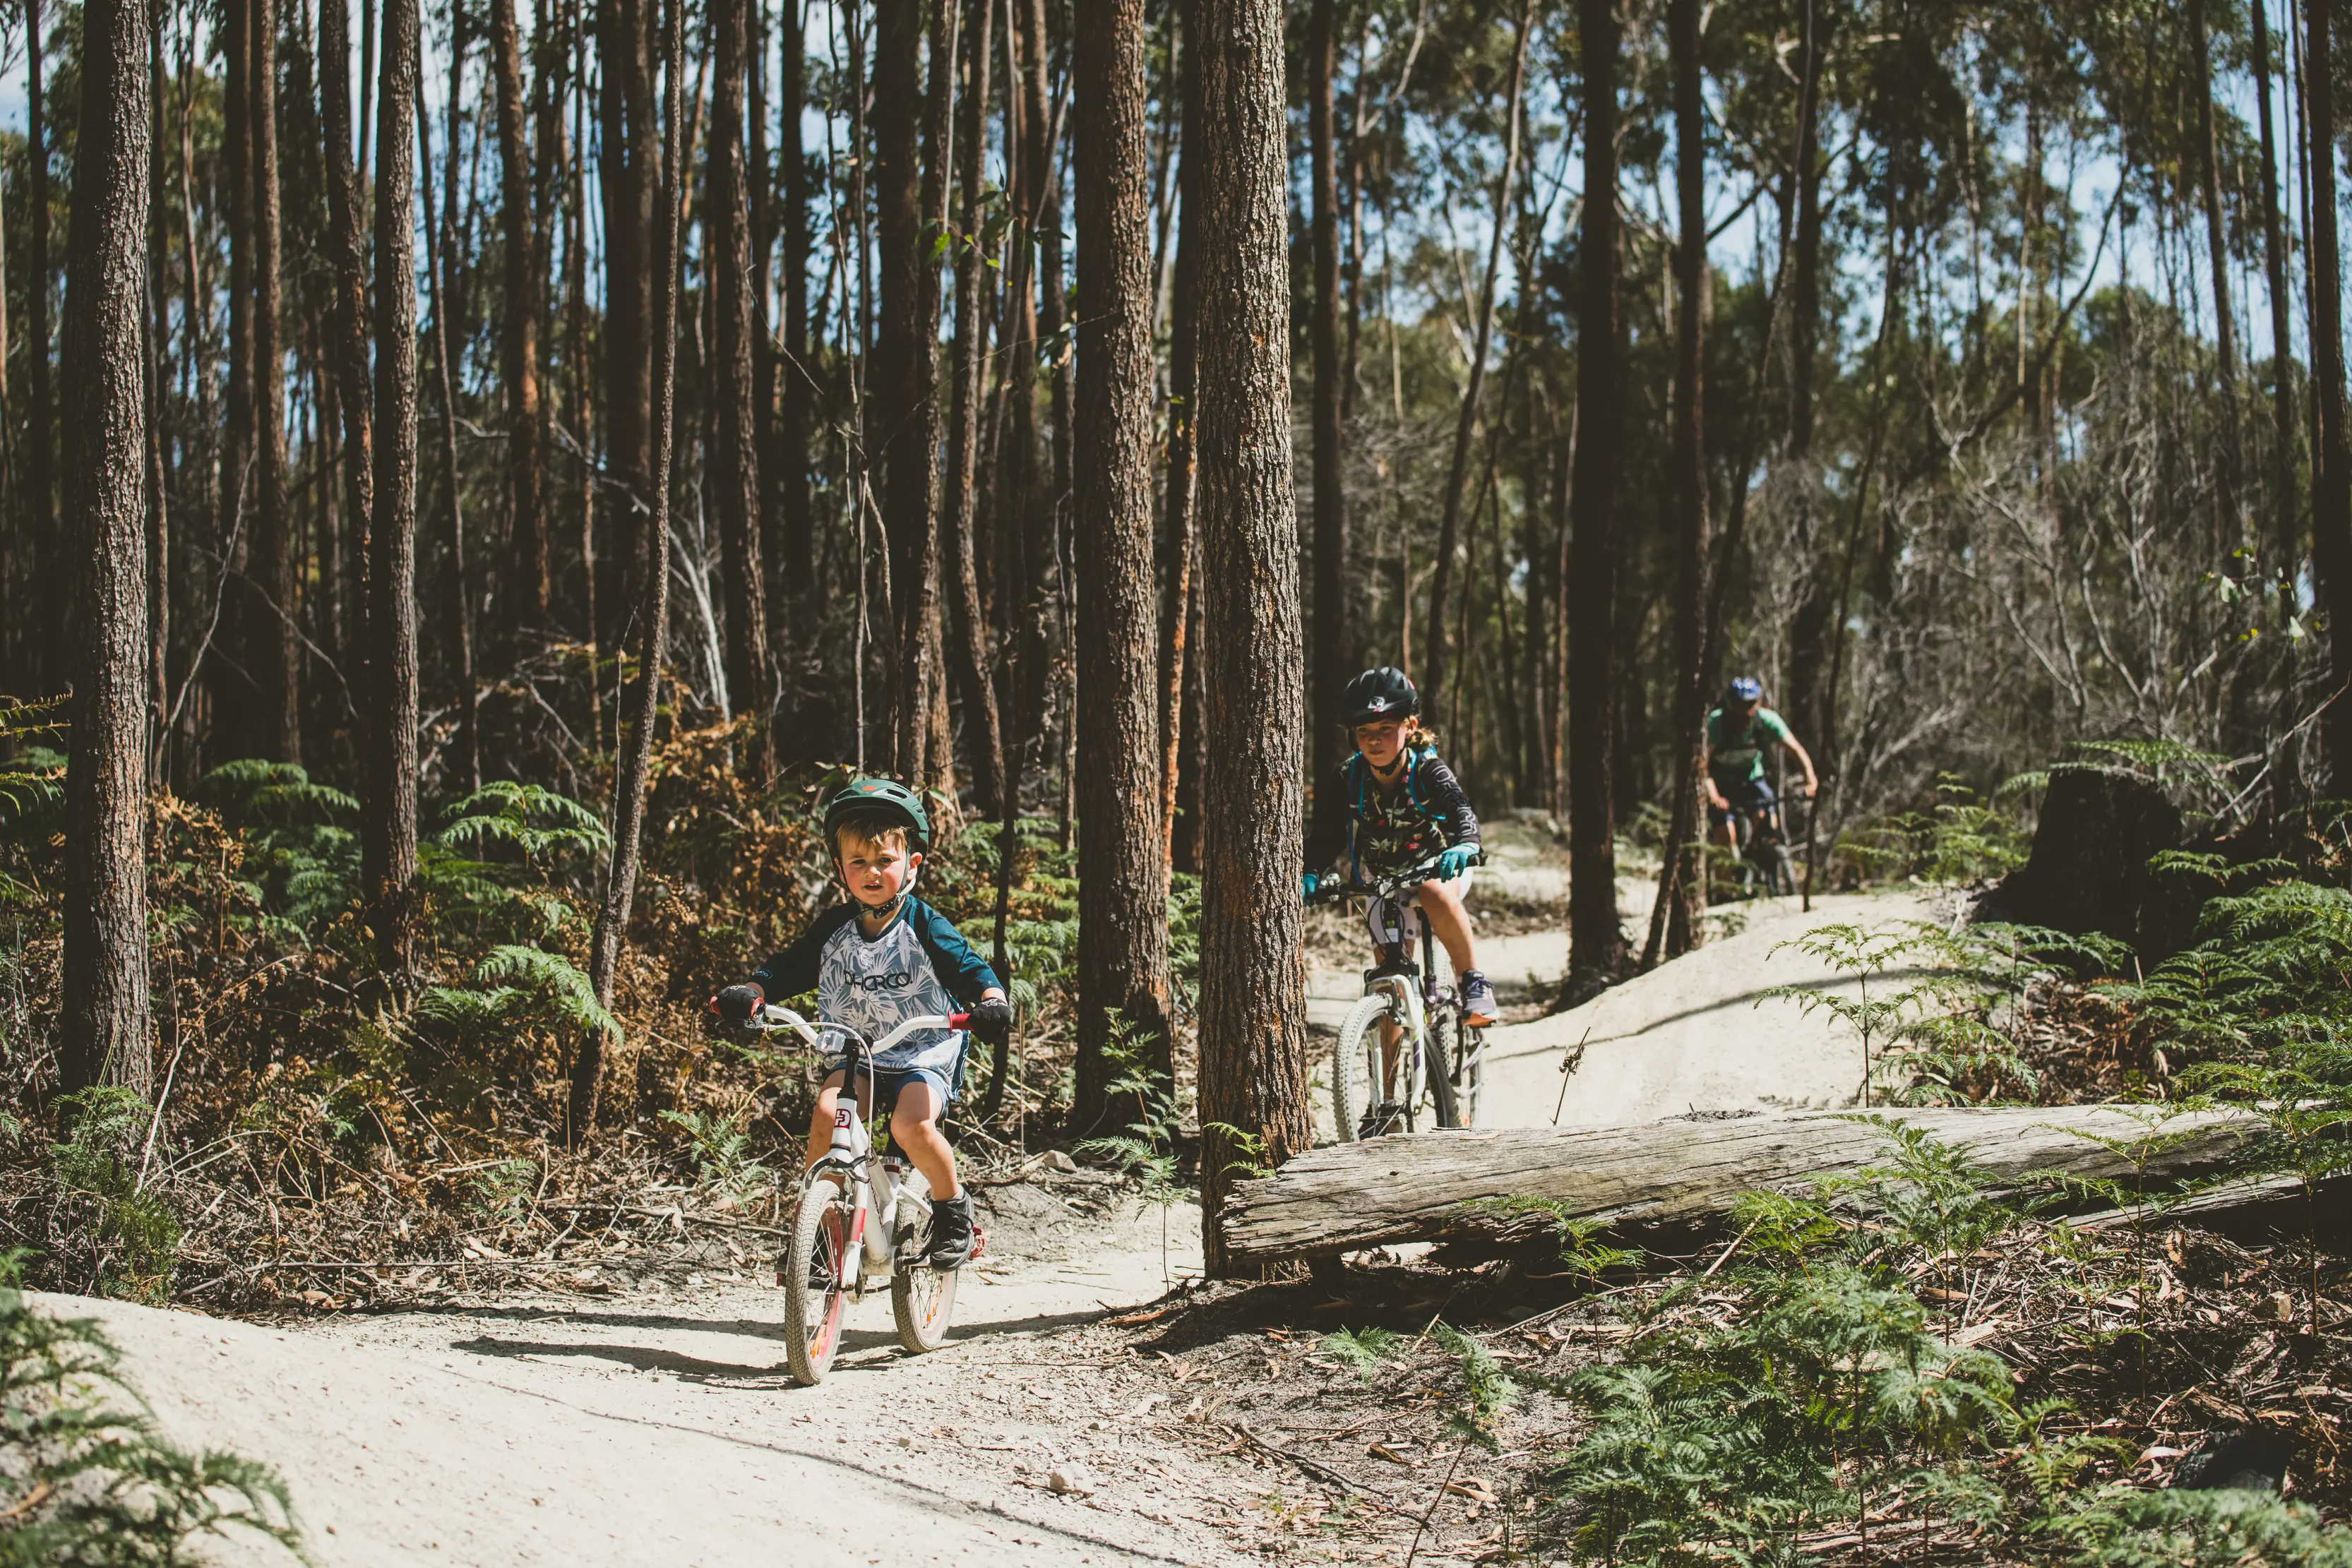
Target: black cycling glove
{"x": 991, "y": 1021}
{"x": 738, "y": 1003}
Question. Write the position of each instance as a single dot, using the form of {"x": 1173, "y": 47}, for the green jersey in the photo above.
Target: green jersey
{"x": 1735, "y": 751}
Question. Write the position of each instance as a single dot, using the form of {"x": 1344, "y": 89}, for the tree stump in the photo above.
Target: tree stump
{"x": 2088, "y": 871}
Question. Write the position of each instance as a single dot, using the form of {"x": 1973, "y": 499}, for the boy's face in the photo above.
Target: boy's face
{"x": 875, "y": 870}
{"x": 1381, "y": 741}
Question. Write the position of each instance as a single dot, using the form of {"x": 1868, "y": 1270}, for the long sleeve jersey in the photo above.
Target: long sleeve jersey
{"x": 1386, "y": 830}
{"x": 919, "y": 965}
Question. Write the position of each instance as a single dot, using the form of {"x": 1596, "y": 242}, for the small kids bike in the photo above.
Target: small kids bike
{"x": 1425, "y": 1014}
{"x": 859, "y": 1218}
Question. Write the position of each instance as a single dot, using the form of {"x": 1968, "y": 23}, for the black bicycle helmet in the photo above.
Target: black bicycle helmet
{"x": 885, "y": 797}
{"x": 1376, "y": 695}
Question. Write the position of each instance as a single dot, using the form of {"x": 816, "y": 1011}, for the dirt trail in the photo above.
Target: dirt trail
{"x": 663, "y": 1428}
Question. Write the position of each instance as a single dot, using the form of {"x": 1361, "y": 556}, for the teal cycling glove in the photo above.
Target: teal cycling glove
{"x": 1456, "y": 860}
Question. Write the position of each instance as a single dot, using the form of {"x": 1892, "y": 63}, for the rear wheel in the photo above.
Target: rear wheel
{"x": 1353, "y": 1079}
{"x": 813, "y": 1266}
{"x": 1437, "y": 1060}
{"x": 922, "y": 1299}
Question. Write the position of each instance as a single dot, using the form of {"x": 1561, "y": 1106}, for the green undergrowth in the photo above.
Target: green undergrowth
{"x": 1809, "y": 1394}
{"x": 86, "y": 1480}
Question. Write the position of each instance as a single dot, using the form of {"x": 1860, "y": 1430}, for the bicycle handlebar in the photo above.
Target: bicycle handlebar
{"x": 774, "y": 1019}
{"x": 1413, "y": 876}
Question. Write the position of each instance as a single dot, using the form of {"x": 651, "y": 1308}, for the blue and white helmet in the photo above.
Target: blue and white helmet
{"x": 1744, "y": 689}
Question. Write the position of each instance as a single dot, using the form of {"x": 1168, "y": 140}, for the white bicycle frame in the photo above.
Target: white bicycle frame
{"x": 874, "y": 1186}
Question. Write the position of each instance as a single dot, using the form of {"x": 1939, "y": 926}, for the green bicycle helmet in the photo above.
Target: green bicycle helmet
{"x": 887, "y": 797}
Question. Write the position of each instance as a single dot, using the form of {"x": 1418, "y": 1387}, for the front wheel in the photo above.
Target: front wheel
{"x": 1438, "y": 1061}
{"x": 813, "y": 1293}
{"x": 1351, "y": 1068}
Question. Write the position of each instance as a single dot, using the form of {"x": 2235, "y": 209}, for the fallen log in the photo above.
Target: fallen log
{"x": 1439, "y": 1185}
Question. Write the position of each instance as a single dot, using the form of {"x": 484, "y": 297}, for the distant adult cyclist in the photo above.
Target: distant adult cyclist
{"x": 1737, "y": 734}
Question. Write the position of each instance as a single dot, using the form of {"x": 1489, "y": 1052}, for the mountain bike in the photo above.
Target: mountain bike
{"x": 1766, "y": 865}
{"x": 858, "y": 1218}
{"x": 1436, "y": 1055}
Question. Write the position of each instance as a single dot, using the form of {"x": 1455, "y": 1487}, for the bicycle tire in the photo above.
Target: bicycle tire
{"x": 1782, "y": 873}
{"x": 1437, "y": 1062}
{"x": 1348, "y": 1060}
{"x": 922, "y": 1299}
{"x": 821, "y": 1233}
{"x": 1470, "y": 1069}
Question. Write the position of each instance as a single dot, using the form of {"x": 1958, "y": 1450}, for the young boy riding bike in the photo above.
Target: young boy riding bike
{"x": 1736, "y": 734}
{"x": 1403, "y": 804}
{"x": 883, "y": 957}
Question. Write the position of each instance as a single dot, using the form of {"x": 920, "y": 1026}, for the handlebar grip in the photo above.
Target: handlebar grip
{"x": 957, "y": 1020}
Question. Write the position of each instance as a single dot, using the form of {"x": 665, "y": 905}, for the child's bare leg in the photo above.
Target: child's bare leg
{"x": 915, "y": 1129}
{"x": 1442, "y": 910}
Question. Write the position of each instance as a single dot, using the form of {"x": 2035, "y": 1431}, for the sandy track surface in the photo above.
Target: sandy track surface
{"x": 1697, "y": 1034}
{"x": 662, "y": 1428}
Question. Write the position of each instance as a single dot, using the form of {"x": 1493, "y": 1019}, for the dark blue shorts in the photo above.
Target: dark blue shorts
{"x": 1748, "y": 796}
{"x": 945, "y": 1086}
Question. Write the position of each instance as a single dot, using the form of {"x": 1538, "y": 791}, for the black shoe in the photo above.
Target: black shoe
{"x": 1379, "y": 1120}
{"x": 950, "y": 1231}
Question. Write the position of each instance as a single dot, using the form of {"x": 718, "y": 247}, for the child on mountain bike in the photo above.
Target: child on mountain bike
{"x": 1403, "y": 806}
{"x": 881, "y": 957}
{"x": 1736, "y": 734}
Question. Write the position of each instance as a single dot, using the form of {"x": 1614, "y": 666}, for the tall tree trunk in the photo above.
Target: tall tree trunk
{"x": 1049, "y": 492}
{"x": 2331, "y": 500}
{"x": 2230, "y": 529}
{"x": 389, "y": 842}
{"x": 272, "y": 650}
{"x": 1122, "y": 874}
{"x": 1254, "y": 1068}
{"x": 1596, "y": 940}
{"x": 1180, "y": 551}
{"x": 734, "y": 477}
{"x": 974, "y": 677}
{"x": 627, "y": 164}
{"x": 441, "y": 269}
{"x": 799, "y": 564}
{"x": 1334, "y": 620}
{"x": 528, "y": 586}
{"x": 1482, "y": 338}
{"x": 903, "y": 419}
{"x": 50, "y": 552}
{"x": 105, "y": 1019}
{"x": 346, "y": 333}
{"x": 2289, "y": 538}
{"x": 653, "y": 610}
{"x": 1809, "y": 631}
{"x": 236, "y": 700}
{"x": 1674, "y": 915}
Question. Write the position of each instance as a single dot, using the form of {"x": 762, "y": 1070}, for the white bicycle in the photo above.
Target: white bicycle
{"x": 1438, "y": 1056}
{"x": 859, "y": 1219}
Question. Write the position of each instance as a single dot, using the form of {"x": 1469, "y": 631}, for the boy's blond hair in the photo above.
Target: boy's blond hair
{"x": 868, "y": 830}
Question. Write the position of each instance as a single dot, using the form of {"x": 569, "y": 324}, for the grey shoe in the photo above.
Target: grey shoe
{"x": 1478, "y": 1007}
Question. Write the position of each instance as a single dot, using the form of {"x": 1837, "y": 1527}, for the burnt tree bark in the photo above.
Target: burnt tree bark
{"x": 528, "y": 586}
{"x": 653, "y": 607}
{"x": 2289, "y": 538}
{"x": 1674, "y": 916}
{"x": 975, "y": 678}
{"x": 1809, "y": 630}
{"x": 1122, "y": 874}
{"x": 49, "y": 555}
{"x": 734, "y": 477}
{"x": 1181, "y": 547}
{"x": 1254, "y": 1068}
{"x": 388, "y": 843}
{"x": 272, "y": 650}
{"x": 441, "y": 246}
{"x": 2331, "y": 499}
{"x": 105, "y": 1020}
{"x": 1596, "y": 940}
{"x": 347, "y": 350}
{"x": 629, "y": 169}
{"x": 1333, "y": 621}
{"x": 798, "y": 566}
